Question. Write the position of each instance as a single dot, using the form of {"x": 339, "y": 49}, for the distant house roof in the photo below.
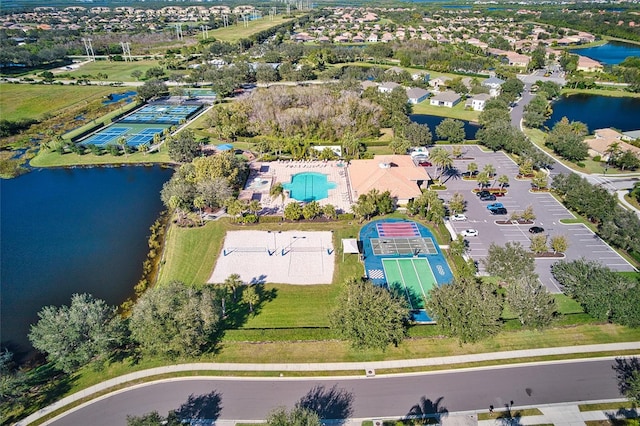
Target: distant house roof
{"x": 388, "y": 86}
{"x": 605, "y": 138}
{"x": 493, "y": 81}
{"x": 367, "y": 83}
{"x": 397, "y": 174}
{"x": 447, "y": 96}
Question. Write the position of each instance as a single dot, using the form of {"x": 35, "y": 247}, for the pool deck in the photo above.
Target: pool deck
{"x": 281, "y": 171}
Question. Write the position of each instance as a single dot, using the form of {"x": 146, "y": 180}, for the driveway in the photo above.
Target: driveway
{"x": 549, "y": 212}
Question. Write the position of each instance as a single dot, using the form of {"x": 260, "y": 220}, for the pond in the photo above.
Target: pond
{"x": 611, "y": 53}
{"x": 432, "y": 121}
{"x": 598, "y": 112}
{"x": 67, "y": 231}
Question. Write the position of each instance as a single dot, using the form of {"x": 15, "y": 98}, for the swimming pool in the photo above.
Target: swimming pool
{"x": 309, "y": 186}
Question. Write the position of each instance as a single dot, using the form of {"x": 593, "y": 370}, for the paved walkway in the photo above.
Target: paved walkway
{"x": 367, "y": 368}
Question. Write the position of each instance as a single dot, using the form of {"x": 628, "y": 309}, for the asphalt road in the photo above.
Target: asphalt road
{"x": 253, "y": 399}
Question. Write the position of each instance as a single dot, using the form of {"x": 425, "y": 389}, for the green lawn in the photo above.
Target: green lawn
{"x": 53, "y": 159}
{"x": 19, "y": 101}
{"x": 612, "y": 91}
{"x": 459, "y": 112}
{"x": 233, "y": 33}
{"x": 116, "y": 71}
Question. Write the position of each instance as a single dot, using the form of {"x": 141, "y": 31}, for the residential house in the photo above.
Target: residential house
{"x": 373, "y": 38}
{"x": 447, "y": 99}
{"x": 438, "y": 81}
{"x": 477, "y": 102}
{"x": 420, "y": 76}
{"x": 397, "y": 174}
{"x": 588, "y": 65}
{"x": 604, "y": 138}
{"x": 387, "y": 87}
{"x": 417, "y": 95}
{"x": 494, "y": 85}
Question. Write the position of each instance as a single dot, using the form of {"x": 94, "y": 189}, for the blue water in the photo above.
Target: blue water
{"x": 598, "y": 112}
{"x": 68, "y": 231}
{"x": 432, "y": 121}
{"x": 309, "y": 186}
{"x": 611, "y": 53}
{"x": 116, "y": 97}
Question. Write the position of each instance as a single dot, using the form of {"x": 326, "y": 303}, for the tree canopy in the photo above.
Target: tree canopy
{"x": 72, "y": 336}
{"x": 510, "y": 262}
{"x": 369, "y": 316}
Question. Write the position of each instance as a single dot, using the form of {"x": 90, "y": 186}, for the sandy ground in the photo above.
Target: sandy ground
{"x": 291, "y": 257}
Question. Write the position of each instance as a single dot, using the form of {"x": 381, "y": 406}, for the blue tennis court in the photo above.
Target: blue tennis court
{"x": 134, "y": 134}
{"x": 106, "y": 136}
{"x": 162, "y": 114}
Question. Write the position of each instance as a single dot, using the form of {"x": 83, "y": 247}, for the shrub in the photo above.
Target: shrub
{"x": 580, "y": 164}
{"x": 346, "y": 216}
{"x": 270, "y": 219}
{"x": 597, "y": 158}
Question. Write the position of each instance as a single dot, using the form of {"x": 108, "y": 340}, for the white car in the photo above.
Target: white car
{"x": 469, "y": 233}
{"x": 458, "y": 217}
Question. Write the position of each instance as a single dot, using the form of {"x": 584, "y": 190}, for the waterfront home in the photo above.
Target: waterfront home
{"x": 447, "y": 99}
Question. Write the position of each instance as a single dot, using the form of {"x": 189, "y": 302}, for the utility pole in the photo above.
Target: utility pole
{"x": 126, "y": 51}
{"x": 91, "y": 56}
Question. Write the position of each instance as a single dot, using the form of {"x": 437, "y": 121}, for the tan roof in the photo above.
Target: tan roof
{"x": 400, "y": 179}
{"x": 605, "y": 137}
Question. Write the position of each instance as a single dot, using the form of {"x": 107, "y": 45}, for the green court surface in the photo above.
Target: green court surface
{"x": 411, "y": 275}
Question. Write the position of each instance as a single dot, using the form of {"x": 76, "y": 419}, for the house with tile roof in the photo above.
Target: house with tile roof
{"x": 604, "y": 138}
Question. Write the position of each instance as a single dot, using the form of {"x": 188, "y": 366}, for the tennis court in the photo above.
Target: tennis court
{"x": 135, "y": 135}
{"x": 403, "y": 255}
{"x": 162, "y": 114}
{"x": 411, "y": 276}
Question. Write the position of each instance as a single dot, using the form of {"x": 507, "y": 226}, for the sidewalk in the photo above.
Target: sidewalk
{"x": 365, "y": 368}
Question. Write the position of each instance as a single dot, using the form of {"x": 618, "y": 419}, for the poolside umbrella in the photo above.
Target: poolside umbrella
{"x": 224, "y": 147}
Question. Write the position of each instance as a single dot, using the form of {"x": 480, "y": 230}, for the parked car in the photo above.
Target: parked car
{"x": 536, "y": 229}
{"x": 499, "y": 210}
{"x": 494, "y": 206}
{"x": 488, "y": 197}
{"x": 424, "y": 164}
{"x": 458, "y": 217}
{"x": 483, "y": 193}
{"x": 469, "y": 233}
{"x": 470, "y": 174}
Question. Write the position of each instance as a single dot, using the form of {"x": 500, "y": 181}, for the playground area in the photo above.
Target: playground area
{"x": 404, "y": 256}
{"x": 280, "y": 257}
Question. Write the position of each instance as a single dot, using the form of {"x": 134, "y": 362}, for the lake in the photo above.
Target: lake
{"x": 598, "y": 112}
{"x": 611, "y": 53}
{"x": 432, "y": 121}
{"x": 67, "y": 231}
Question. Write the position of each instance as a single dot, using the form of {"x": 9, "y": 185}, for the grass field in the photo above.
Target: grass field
{"x": 19, "y": 101}
{"x": 116, "y": 71}
{"x": 234, "y": 33}
{"x": 458, "y": 111}
{"x": 616, "y": 92}
{"x": 53, "y": 159}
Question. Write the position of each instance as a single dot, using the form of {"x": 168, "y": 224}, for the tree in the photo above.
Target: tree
{"x": 472, "y": 167}
{"x": 183, "y": 147}
{"x": 441, "y": 158}
{"x": 467, "y": 309}
{"x": 528, "y": 213}
{"x": 489, "y": 169}
{"x": 456, "y": 151}
{"x": 13, "y": 382}
{"x": 369, "y": 316}
{"x": 567, "y": 140}
{"x": 175, "y": 320}
{"x": 153, "y": 419}
{"x": 417, "y": 134}
{"x": 451, "y": 130}
{"x": 483, "y": 180}
{"x": 628, "y": 375}
{"x": 534, "y": 306}
{"x": 457, "y": 203}
{"x": 509, "y": 262}
{"x": 276, "y": 191}
{"x": 250, "y": 296}
{"x": 311, "y": 210}
{"x": 540, "y": 180}
{"x": 151, "y": 89}
{"x": 538, "y": 244}
{"x": 74, "y": 335}
{"x": 293, "y": 211}
{"x": 232, "y": 283}
{"x": 122, "y": 142}
{"x": 298, "y": 416}
{"x": 399, "y": 145}
{"x": 503, "y": 180}
{"x": 559, "y": 244}
{"x": 136, "y": 74}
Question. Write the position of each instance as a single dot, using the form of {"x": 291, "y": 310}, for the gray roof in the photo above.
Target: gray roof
{"x": 493, "y": 81}
{"x": 446, "y": 96}
{"x": 416, "y": 92}
{"x": 482, "y": 97}
{"x": 389, "y": 85}
{"x": 633, "y": 134}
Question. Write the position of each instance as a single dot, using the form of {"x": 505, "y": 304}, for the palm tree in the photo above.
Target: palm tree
{"x": 503, "y": 180}
{"x": 254, "y": 206}
{"x": 232, "y": 283}
{"x": 143, "y": 148}
{"x": 456, "y": 151}
{"x": 489, "y": 170}
{"x": 122, "y": 142}
{"x": 276, "y": 191}
{"x": 442, "y": 159}
{"x": 471, "y": 168}
{"x": 251, "y": 297}
{"x": 613, "y": 151}
{"x": 199, "y": 203}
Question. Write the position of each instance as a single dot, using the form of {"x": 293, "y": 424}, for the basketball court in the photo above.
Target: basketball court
{"x": 278, "y": 257}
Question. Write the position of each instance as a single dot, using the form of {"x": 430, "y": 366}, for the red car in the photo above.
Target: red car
{"x": 425, "y": 164}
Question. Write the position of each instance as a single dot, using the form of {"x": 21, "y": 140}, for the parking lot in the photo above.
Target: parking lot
{"x": 582, "y": 241}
